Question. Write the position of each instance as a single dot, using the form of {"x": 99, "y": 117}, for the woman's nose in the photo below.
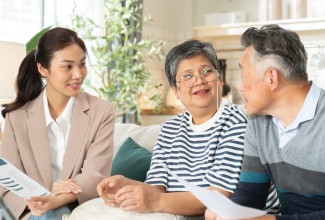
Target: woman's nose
{"x": 77, "y": 74}
{"x": 200, "y": 80}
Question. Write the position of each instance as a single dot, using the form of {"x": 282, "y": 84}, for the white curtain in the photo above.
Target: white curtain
{"x": 21, "y": 20}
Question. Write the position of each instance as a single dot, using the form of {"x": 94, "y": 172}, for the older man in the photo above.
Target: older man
{"x": 284, "y": 142}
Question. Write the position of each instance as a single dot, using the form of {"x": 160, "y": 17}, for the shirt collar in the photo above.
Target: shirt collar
{"x": 66, "y": 114}
{"x": 48, "y": 118}
{"x": 308, "y": 110}
{"x": 206, "y": 125}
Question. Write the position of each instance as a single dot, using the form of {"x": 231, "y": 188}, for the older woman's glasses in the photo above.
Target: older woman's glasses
{"x": 207, "y": 75}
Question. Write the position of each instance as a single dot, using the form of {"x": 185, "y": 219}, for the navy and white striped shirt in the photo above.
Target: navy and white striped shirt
{"x": 206, "y": 155}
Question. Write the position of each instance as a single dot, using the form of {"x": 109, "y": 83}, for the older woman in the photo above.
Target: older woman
{"x": 204, "y": 144}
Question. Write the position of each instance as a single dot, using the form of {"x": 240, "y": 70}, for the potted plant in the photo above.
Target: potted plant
{"x": 32, "y": 43}
{"x": 119, "y": 51}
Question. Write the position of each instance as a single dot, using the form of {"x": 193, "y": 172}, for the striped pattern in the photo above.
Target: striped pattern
{"x": 297, "y": 169}
{"x": 273, "y": 205}
{"x": 206, "y": 155}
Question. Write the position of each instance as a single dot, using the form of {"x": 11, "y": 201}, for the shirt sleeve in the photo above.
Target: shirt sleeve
{"x": 10, "y": 151}
{"x": 228, "y": 158}
{"x": 254, "y": 183}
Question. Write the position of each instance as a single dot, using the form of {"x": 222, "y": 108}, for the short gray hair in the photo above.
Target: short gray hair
{"x": 185, "y": 51}
{"x": 278, "y": 48}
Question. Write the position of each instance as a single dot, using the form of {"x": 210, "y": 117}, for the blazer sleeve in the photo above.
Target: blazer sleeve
{"x": 98, "y": 160}
{"x": 9, "y": 151}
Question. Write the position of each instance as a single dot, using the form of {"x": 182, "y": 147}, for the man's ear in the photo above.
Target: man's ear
{"x": 272, "y": 77}
{"x": 174, "y": 88}
{"x": 43, "y": 71}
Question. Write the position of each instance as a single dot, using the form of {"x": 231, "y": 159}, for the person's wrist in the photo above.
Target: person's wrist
{"x": 55, "y": 202}
{"x": 157, "y": 203}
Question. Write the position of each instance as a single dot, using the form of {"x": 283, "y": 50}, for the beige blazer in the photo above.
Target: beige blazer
{"x": 89, "y": 151}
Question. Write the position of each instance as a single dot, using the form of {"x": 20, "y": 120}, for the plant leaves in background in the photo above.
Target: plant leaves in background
{"x": 32, "y": 43}
{"x": 120, "y": 53}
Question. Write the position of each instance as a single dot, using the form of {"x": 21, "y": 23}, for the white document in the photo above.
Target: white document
{"x": 217, "y": 202}
{"x": 18, "y": 182}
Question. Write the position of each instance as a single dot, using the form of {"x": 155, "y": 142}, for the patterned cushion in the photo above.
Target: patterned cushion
{"x": 96, "y": 209}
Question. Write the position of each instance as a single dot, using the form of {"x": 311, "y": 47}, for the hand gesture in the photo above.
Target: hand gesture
{"x": 209, "y": 215}
{"x": 137, "y": 198}
{"x": 108, "y": 187}
{"x": 65, "y": 186}
{"x": 39, "y": 205}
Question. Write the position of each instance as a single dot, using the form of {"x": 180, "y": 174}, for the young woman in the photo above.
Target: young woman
{"x": 204, "y": 145}
{"x": 60, "y": 137}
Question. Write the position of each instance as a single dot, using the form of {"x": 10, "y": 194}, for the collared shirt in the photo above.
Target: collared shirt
{"x": 306, "y": 113}
{"x": 58, "y": 133}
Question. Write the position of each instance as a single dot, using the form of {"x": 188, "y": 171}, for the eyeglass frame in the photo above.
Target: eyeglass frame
{"x": 196, "y": 76}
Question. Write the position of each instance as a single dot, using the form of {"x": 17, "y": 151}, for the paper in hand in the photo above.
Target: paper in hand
{"x": 18, "y": 182}
{"x": 217, "y": 202}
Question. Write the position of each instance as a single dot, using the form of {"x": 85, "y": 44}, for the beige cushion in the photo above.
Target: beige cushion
{"x": 145, "y": 136}
{"x": 96, "y": 209}
{"x": 10, "y": 58}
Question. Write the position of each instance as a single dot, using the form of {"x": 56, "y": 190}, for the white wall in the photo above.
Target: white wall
{"x": 202, "y": 7}
{"x": 170, "y": 14}
{"x": 182, "y": 15}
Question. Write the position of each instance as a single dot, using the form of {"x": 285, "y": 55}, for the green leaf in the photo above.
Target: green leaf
{"x": 119, "y": 56}
{"x": 32, "y": 43}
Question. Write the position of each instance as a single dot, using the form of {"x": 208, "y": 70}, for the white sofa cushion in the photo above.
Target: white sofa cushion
{"x": 96, "y": 209}
{"x": 145, "y": 136}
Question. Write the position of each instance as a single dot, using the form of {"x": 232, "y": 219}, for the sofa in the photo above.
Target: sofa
{"x": 133, "y": 145}
{"x": 145, "y": 136}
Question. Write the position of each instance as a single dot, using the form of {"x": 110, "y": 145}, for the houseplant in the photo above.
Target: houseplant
{"x": 32, "y": 43}
{"x": 119, "y": 54}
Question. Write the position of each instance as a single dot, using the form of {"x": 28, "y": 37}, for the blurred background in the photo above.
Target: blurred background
{"x": 220, "y": 22}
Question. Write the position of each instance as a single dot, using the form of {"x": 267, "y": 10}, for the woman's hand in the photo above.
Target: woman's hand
{"x": 40, "y": 204}
{"x": 137, "y": 198}
{"x": 108, "y": 187}
{"x": 209, "y": 215}
{"x": 65, "y": 186}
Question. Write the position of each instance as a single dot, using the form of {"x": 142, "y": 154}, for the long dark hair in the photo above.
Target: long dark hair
{"x": 29, "y": 82}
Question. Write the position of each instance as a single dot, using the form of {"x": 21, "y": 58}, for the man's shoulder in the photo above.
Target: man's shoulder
{"x": 260, "y": 122}
{"x": 322, "y": 96}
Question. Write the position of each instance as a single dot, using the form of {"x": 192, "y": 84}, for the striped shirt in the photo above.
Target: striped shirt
{"x": 206, "y": 155}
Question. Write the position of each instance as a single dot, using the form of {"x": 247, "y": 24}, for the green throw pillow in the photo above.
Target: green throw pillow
{"x": 132, "y": 161}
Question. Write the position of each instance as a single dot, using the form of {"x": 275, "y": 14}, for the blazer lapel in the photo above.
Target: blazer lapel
{"x": 37, "y": 133}
{"x": 79, "y": 126}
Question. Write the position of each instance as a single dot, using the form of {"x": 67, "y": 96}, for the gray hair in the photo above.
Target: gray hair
{"x": 185, "y": 51}
{"x": 277, "y": 48}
